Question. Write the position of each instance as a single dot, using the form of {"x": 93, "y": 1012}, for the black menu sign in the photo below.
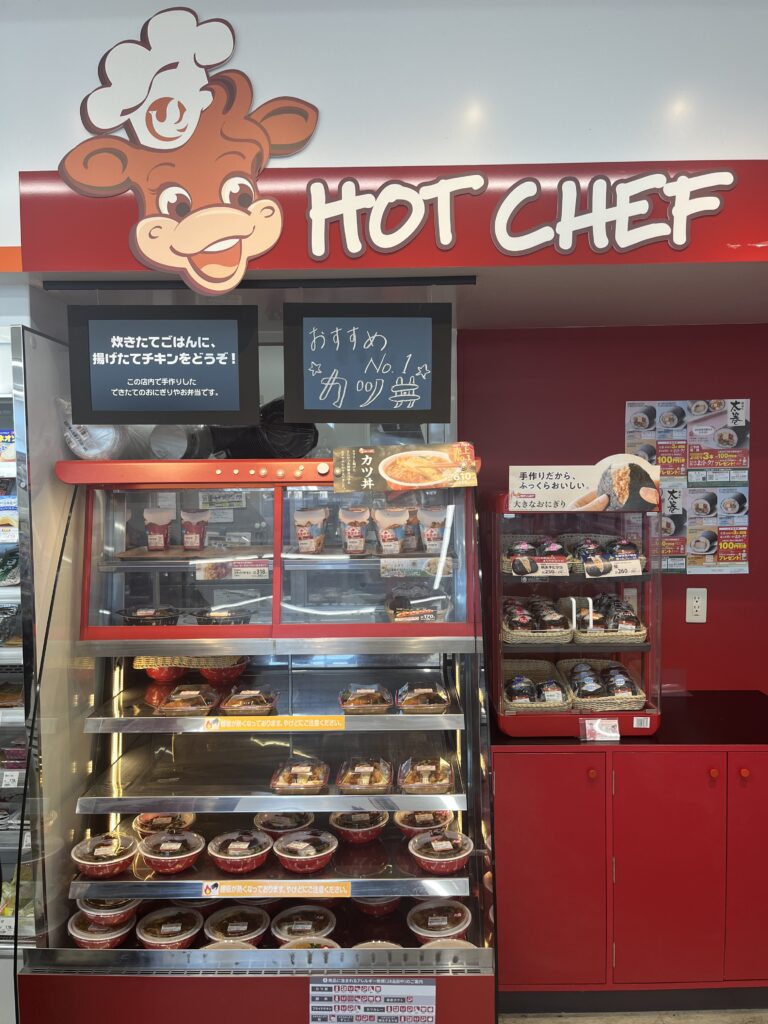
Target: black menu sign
{"x": 131, "y": 364}
{"x": 368, "y": 363}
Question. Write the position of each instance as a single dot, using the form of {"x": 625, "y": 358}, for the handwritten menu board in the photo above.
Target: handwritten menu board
{"x": 175, "y": 364}
{"x": 701, "y": 447}
{"x": 368, "y": 363}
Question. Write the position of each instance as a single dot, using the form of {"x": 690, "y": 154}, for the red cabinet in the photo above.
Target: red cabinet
{"x": 551, "y": 880}
{"x": 669, "y": 845}
{"x": 746, "y": 949}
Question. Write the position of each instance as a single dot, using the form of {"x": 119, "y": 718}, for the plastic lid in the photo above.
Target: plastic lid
{"x": 171, "y": 845}
{"x": 359, "y": 821}
{"x": 435, "y": 919}
{"x": 377, "y": 944}
{"x": 245, "y": 843}
{"x": 443, "y": 846}
{"x": 170, "y": 924}
{"x": 312, "y": 943}
{"x": 237, "y": 923}
{"x": 230, "y": 944}
{"x": 106, "y": 908}
{"x": 306, "y": 844}
{"x": 307, "y": 921}
{"x": 170, "y": 821}
{"x": 104, "y": 849}
{"x": 449, "y": 944}
{"x": 80, "y": 927}
{"x": 285, "y": 821}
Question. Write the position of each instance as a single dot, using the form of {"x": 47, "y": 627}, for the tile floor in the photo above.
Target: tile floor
{"x": 668, "y": 1017}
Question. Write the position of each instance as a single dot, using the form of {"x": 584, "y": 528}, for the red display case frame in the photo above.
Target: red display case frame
{"x": 242, "y": 474}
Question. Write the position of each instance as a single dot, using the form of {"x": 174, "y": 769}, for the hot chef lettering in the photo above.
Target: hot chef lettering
{"x": 194, "y": 152}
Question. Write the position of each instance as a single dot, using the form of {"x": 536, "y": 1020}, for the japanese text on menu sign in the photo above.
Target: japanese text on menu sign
{"x": 702, "y": 448}
{"x": 374, "y": 1000}
{"x": 367, "y": 363}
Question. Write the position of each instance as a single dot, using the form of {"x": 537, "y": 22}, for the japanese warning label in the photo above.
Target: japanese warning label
{"x": 375, "y": 1000}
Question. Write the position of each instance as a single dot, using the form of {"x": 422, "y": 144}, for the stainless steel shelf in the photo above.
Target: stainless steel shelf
{"x": 574, "y": 579}
{"x": 457, "y": 644}
{"x": 11, "y": 655}
{"x": 304, "y": 694}
{"x": 12, "y": 718}
{"x": 188, "y": 564}
{"x": 383, "y": 868}
{"x": 233, "y": 774}
{"x": 288, "y": 962}
{"x": 338, "y": 561}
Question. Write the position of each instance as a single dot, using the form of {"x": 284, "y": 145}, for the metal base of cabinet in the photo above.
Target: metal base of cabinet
{"x": 237, "y": 779}
{"x": 112, "y": 648}
{"x": 410, "y": 962}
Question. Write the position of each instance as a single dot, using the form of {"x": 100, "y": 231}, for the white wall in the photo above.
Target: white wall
{"x": 428, "y": 81}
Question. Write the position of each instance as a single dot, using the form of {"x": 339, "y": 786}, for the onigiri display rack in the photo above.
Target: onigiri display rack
{"x": 573, "y": 624}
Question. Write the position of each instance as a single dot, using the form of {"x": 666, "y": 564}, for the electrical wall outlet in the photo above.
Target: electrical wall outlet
{"x": 696, "y": 604}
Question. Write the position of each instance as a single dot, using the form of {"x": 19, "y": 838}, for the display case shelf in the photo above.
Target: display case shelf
{"x": 293, "y": 561}
{"x": 11, "y": 718}
{"x": 12, "y": 656}
{"x": 293, "y": 645}
{"x": 508, "y": 579}
{"x": 142, "y": 781}
{"x": 582, "y": 651}
{"x": 178, "y": 560}
{"x": 383, "y": 868}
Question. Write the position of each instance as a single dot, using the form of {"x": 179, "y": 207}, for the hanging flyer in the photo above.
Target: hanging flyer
{"x": 701, "y": 447}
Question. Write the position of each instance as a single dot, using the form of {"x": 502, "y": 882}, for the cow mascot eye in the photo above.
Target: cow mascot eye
{"x": 174, "y": 201}
{"x": 237, "y": 191}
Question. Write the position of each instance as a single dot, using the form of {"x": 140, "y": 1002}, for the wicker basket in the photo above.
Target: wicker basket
{"x": 597, "y": 705}
{"x": 535, "y": 637}
{"x": 570, "y": 540}
{"x": 167, "y": 618}
{"x": 537, "y": 672}
{"x": 206, "y": 618}
{"x": 585, "y": 637}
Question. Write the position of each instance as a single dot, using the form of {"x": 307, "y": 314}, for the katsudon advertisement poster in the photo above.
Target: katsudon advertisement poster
{"x": 398, "y": 468}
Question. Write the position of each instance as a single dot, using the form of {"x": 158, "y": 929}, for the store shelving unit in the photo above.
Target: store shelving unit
{"x": 305, "y": 640}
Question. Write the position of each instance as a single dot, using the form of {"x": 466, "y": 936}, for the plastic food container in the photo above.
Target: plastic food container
{"x": 377, "y": 906}
{"x": 205, "y": 906}
{"x": 439, "y": 919}
{"x": 169, "y": 853}
{"x": 238, "y": 923}
{"x": 230, "y": 944}
{"x": 248, "y": 700}
{"x": 365, "y": 700}
{"x": 109, "y": 913}
{"x": 359, "y": 827}
{"x": 169, "y": 928}
{"x": 189, "y": 701}
{"x": 311, "y": 944}
{"x": 300, "y": 775}
{"x": 166, "y": 674}
{"x": 414, "y": 823}
{"x": 425, "y": 775}
{"x": 221, "y": 676}
{"x": 377, "y": 944}
{"x": 149, "y": 824}
{"x": 156, "y": 694}
{"x": 239, "y": 852}
{"x": 442, "y": 854}
{"x": 306, "y": 852}
{"x": 90, "y": 935}
{"x": 106, "y": 855}
{"x": 277, "y": 824}
{"x": 364, "y": 775}
{"x": 302, "y": 923}
{"x": 417, "y": 699}
{"x": 449, "y": 944}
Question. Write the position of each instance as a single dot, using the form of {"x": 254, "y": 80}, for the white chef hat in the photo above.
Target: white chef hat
{"x": 156, "y": 86}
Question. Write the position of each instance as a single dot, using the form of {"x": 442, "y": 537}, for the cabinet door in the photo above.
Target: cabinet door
{"x": 669, "y": 849}
{"x": 551, "y": 868}
{"x": 746, "y": 951}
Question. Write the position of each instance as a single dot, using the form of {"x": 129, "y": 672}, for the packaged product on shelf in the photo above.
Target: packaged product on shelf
{"x": 109, "y": 913}
{"x": 169, "y": 928}
{"x": 364, "y": 775}
{"x": 148, "y": 824}
{"x": 311, "y": 524}
{"x": 390, "y": 528}
{"x": 418, "y": 699}
{"x": 245, "y": 924}
{"x": 520, "y": 690}
{"x": 413, "y": 823}
{"x": 278, "y": 823}
{"x": 300, "y": 775}
{"x": 418, "y": 602}
{"x": 432, "y": 527}
{"x": 376, "y": 906}
{"x": 246, "y": 700}
{"x": 193, "y": 529}
{"x": 158, "y": 525}
{"x": 439, "y": 919}
{"x": 89, "y": 934}
{"x": 311, "y": 944}
{"x": 366, "y": 700}
{"x": 359, "y": 827}
{"x": 425, "y": 775}
{"x": 105, "y": 855}
{"x": 162, "y": 615}
{"x": 412, "y": 532}
{"x": 239, "y": 852}
{"x": 169, "y": 853}
{"x": 186, "y": 700}
{"x": 353, "y": 524}
{"x": 306, "y": 852}
{"x": 223, "y": 670}
{"x": 303, "y": 922}
{"x": 441, "y": 854}
{"x": 551, "y": 692}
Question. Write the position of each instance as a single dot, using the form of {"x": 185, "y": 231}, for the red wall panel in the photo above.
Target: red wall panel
{"x": 544, "y": 396}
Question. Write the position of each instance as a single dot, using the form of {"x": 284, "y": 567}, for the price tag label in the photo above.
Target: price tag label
{"x": 532, "y": 569}
{"x": 257, "y": 889}
{"x": 275, "y": 723}
{"x": 600, "y": 730}
{"x": 6, "y": 926}
{"x": 10, "y": 780}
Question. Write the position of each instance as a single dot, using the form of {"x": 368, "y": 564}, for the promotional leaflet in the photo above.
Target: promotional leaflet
{"x": 397, "y": 468}
{"x": 701, "y": 448}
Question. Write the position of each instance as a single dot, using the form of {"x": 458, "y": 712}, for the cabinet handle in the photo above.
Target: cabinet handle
{"x": 714, "y": 773}
{"x": 592, "y": 773}
{"x": 744, "y": 773}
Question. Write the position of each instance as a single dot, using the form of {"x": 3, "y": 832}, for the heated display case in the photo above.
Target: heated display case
{"x": 262, "y": 656}
{"x": 574, "y": 623}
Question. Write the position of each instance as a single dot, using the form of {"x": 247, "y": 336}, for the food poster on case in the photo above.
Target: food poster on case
{"x": 701, "y": 448}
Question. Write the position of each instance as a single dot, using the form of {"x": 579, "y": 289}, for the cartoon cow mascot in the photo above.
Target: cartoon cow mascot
{"x": 194, "y": 151}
